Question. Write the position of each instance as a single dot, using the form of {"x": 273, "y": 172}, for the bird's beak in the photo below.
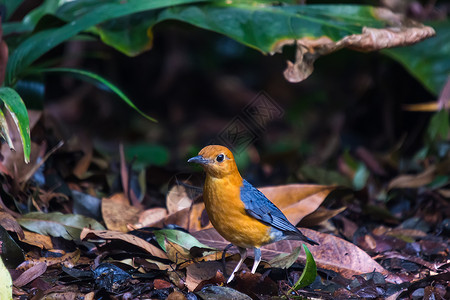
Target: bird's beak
{"x": 198, "y": 160}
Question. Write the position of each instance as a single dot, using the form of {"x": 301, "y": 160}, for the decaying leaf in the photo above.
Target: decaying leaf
{"x": 117, "y": 212}
{"x": 402, "y": 32}
{"x": 151, "y": 216}
{"x": 285, "y": 260}
{"x": 297, "y": 200}
{"x": 56, "y": 224}
{"x": 203, "y": 271}
{"x": 113, "y": 235}
{"x": 9, "y": 223}
{"x": 177, "y": 199}
{"x": 68, "y": 260}
{"x": 38, "y": 240}
{"x": 30, "y": 274}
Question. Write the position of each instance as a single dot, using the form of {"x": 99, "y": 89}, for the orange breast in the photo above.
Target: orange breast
{"x": 227, "y": 214}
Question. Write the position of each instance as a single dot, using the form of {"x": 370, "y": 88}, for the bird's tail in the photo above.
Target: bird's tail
{"x": 298, "y": 235}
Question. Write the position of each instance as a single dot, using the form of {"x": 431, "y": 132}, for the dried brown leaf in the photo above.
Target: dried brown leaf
{"x": 114, "y": 235}
{"x": 117, "y": 212}
{"x": 9, "y": 223}
{"x": 402, "y": 32}
{"x": 30, "y": 274}
{"x": 68, "y": 260}
{"x": 297, "y": 200}
{"x": 177, "y": 199}
{"x": 151, "y": 216}
{"x": 38, "y": 240}
{"x": 199, "y": 272}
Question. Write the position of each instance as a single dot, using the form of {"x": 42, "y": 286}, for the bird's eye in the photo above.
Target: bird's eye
{"x": 220, "y": 157}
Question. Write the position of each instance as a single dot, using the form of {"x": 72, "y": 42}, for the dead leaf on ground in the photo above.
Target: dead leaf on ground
{"x": 419, "y": 180}
{"x": 203, "y": 271}
{"x": 36, "y": 239}
{"x": 177, "y": 199}
{"x": 297, "y": 200}
{"x": 320, "y": 215}
{"x": 117, "y": 212}
{"x": 333, "y": 253}
{"x": 30, "y": 274}
{"x": 151, "y": 216}
{"x": 68, "y": 260}
{"x": 87, "y": 234}
{"x": 10, "y": 224}
{"x": 401, "y": 32}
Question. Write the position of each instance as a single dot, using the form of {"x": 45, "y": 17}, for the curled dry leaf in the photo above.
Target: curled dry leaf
{"x": 333, "y": 253}
{"x": 117, "y": 212}
{"x": 114, "y": 235}
{"x": 401, "y": 32}
{"x": 415, "y": 181}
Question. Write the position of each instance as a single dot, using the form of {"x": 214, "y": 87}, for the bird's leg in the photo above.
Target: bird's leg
{"x": 243, "y": 254}
{"x": 257, "y": 252}
{"x": 224, "y": 256}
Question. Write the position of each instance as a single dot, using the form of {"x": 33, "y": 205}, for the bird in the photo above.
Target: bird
{"x": 238, "y": 211}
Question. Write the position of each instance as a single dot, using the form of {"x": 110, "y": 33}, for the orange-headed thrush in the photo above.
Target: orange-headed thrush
{"x": 239, "y": 211}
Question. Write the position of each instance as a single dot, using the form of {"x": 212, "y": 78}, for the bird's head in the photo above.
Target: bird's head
{"x": 217, "y": 161}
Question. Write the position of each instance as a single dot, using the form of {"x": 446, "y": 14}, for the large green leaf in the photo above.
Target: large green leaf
{"x": 56, "y": 224}
{"x": 98, "y": 79}
{"x": 40, "y": 43}
{"x": 18, "y": 111}
{"x": 428, "y": 61}
{"x": 258, "y": 26}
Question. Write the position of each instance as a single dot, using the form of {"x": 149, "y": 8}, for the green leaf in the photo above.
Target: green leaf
{"x": 439, "y": 125}
{"x": 309, "y": 273}
{"x": 5, "y": 282}
{"x": 285, "y": 260}
{"x": 361, "y": 176}
{"x": 40, "y": 43}
{"x": 260, "y": 26}
{"x": 179, "y": 237}
{"x": 144, "y": 154}
{"x": 19, "y": 113}
{"x": 428, "y": 61}
{"x": 11, "y": 6}
{"x": 98, "y": 79}
{"x": 56, "y": 224}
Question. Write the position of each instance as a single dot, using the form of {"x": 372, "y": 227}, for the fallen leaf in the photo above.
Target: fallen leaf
{"x": 177, "y": 253}
{"x": 333, "y": 253}
{"x": 151, "y": 216}
{"x": 117, "y": 212}
{"x": 68, "y": 260}
{"x": 297, "y": 200}
{"x": 413, "y": 181}
{"x": 199, "y": 272}
{"x": 214, "y": 292}
{"x": 319, "y": 216}
{"x": 177, "y": 199}
{"x": 30, "y": 274}
{"x": 56, "y": 224}
{"x": 5, "y": 282}
{"x": 285, "y": 260}
{"x": 87, "y": 234}
{"x": 36, "y": 239}
{"x": 10, "y": 224}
